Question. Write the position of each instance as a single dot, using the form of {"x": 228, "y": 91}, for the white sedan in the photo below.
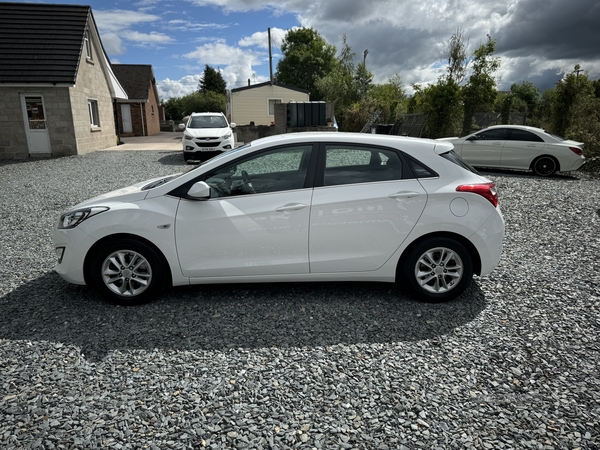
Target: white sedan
{"x": 519, "y": 147}
{"x": 290, "y": 208}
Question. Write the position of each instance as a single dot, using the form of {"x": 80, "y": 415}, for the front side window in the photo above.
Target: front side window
{"x": 349, "y": 165}
{"x": 492, "y": 135}
{"x": 94, "y": 116}
{"x": 276, "y": 170}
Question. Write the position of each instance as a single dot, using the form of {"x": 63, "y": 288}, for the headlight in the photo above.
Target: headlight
{"x": 227, "y": 136}
{"x": 73, "y": 218}
{"x": 187, "y": 137}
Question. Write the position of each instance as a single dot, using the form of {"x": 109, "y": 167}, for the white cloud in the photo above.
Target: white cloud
{"x": 238, "y": 62}
{"x": 116, "y": 20}
{"x": 261, "y": 39}
{"x": 178, "y": 88}
{"x": 152, "y": 37}
{"x": 189, "y": 26}
{"x": 112, "y": 44}
{"x": 115, "y": 26}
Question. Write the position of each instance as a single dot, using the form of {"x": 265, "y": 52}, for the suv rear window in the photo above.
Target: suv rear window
{"x": 453, "y": 157}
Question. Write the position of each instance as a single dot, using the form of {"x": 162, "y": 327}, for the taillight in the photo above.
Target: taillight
{"x": 576, "y": 150}
{"x": 487, "y": 190}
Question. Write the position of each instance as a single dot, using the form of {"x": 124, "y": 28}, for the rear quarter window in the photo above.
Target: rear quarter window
{"x": 454, "y": 158}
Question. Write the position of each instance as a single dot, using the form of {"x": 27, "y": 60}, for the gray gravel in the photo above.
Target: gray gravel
{"x": 512, "y": 364}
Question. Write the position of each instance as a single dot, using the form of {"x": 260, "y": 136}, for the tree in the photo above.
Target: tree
{"x": 480, "y": 90}
{"x": 206, "y": 101}
{"x": 390, "y": 97}
{"x": 212, "y": 81}
{"x": 441, "y": 102}
{"x": 306, "y": 58}
{"x": 363, "y": 78}
{"x": 573, "y": 88}
{"x": 457, "y": 57}
{"x": 529, "y": 94}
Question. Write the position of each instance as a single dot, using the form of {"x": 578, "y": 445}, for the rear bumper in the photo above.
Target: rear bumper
{"x": 488, "y": 240}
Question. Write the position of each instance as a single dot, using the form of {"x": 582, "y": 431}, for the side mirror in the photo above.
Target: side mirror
{"x": 199, "y": 190}
{"x": 182, "y": 126}
{"x": 232, "y": 125}
{"x": 473, "y": 138}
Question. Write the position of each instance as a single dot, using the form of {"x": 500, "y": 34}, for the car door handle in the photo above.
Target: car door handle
{"x": 404, "y": 194}
{"x": 531, "y": 145}
{"x": 497, "y": 143}
{"x": 291, "y": 207}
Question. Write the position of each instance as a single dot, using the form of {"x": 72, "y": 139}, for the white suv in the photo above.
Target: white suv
{"x": 206, "y": 135}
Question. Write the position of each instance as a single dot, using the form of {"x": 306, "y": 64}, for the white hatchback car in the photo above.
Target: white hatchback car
{"x": 290, "y": 208}
{"x": 519, "y": 147}
{"x": 206, "y": 135}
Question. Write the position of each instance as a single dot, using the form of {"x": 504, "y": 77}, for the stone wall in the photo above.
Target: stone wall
{"x": 92, "y": 84}
{"x": 59, "y": 122}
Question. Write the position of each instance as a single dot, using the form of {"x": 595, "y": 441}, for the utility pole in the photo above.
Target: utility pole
{"x": 270, "y": 58}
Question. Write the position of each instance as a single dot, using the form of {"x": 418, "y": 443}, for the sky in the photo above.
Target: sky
{"x": 536, "y": 40}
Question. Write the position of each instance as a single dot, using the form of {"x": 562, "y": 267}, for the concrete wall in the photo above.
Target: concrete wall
{"x": 59, "y": 121}
{"x": 252, "y": 105}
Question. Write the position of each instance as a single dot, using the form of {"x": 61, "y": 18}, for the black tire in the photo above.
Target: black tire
{"x": 128, "y": 272}
{"x": 437, "y": 269}
{"x": 187, "y": 156}
{"x": 545, "y": 166}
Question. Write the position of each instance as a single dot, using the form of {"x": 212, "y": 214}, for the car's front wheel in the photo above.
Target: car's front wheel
{"x": 127, "y": 271}
{"x": 437, "y": 269}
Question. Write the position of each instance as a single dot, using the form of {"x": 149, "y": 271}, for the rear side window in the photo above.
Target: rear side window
{"x": 453, "y": 157}
{"x": 354, "y": 164}
{"x": 522, "y": 135}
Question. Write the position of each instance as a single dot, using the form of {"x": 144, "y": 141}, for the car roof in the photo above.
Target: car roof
{"x": 515, "y": 127}
{"x": 207, "y": 114}
{"x": 358, "y": 138}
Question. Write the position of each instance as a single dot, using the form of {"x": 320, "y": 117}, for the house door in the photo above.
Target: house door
{"x": 36, "y": 128}
{"x": 126, "y": 117}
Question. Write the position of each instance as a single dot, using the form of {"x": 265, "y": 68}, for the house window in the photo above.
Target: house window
{"x": 94, "y": 116}
{"x": 88, "y": 45}
{"x": 152, "y": 106}
{"x": 272, "y": 102}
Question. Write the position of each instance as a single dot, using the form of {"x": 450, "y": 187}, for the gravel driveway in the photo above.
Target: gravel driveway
{"x": 514, "y": 363}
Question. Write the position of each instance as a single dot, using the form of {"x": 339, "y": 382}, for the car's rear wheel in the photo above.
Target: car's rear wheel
{"x": 437, "y": 269}
{"x": 127, "y": 271}
{"x": 545, "y": 166}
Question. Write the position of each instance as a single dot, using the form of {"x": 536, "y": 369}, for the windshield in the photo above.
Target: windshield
{"x": 207, "y": 122}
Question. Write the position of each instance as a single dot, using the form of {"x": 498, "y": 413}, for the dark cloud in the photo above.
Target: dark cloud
{"x": 553, "y": 29}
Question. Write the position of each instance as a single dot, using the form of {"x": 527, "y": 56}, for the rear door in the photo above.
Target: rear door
{"x": 521, "y": 148}
{"x": 485, "y": 148}
{"x": 364, "y": 206}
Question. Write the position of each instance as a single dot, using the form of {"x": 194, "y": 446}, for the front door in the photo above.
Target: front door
{"x": 126, "y": 117}
{"x": 36, "y": 127}
{"x": 485, "y": 149}
{"x": 256, "y": 221}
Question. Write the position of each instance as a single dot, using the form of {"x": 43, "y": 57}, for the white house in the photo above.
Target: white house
{"x": 255, "y": 103}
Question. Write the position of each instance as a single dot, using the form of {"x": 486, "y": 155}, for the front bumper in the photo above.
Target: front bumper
{"x": 76, "y": 244}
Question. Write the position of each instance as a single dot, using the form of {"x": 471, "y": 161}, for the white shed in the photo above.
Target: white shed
{"x": 255, "y": 103}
